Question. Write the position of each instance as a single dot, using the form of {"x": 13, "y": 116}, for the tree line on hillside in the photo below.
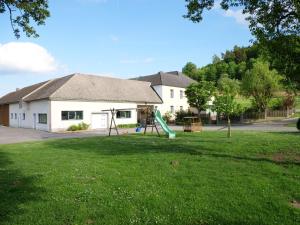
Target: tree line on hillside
{"x": 235, "y": 63}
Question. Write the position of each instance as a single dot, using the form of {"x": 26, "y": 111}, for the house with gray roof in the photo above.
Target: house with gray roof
{"x": 170, "y": 86}
{"x": 57, "y": 104}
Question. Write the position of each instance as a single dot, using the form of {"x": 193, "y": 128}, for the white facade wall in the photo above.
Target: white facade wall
{"x": 165, "y": 93}
{"x": 31, "y": 111}
{"x": 53, "y": 109}
{"x": 88, "y": 108}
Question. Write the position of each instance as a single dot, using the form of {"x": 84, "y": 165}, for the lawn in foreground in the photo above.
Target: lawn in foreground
{"x": 249, "y": 179}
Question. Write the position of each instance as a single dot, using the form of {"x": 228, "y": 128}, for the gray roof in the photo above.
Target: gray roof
{"x": 84, "y": 87}
{"x": 173, "y": 78}
{"x": 16, "y": 96}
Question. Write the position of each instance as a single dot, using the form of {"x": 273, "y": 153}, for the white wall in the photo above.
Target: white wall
{"x": 57, "y": 124}
{"x": 164, "y": 93}
{"x": 29, "y": 109}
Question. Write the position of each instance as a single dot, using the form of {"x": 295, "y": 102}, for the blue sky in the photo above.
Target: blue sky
{"x": 121, "y": 38}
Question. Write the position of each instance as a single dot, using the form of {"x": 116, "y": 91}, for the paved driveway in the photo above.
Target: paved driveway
{"x": 16, "y": 135}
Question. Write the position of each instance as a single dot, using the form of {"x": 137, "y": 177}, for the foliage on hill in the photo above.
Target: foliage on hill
{"x": 283, "y": 58}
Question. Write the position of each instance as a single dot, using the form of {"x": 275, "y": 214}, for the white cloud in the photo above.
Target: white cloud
{"x": 137, "y": 61}
{"x": 25, "y": 57}
{"x": 238, "y": 15}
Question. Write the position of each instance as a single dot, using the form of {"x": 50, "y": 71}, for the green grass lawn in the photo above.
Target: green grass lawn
{"x": 249, "y": 179}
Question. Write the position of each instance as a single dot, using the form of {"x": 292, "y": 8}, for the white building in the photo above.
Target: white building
{"x": 170, "y": 86}
{"x": 57, "y": 104}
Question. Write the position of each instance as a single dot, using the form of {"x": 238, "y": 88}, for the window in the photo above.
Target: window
{"x": 172, "y": 109}
{"x": 42, "y": 118}
{"x": 11, "y": 115}
{"x": 123, "y": 114}
{"x": 16, "y": 116}
{"x": 23, "y": 116}
{"x": 181, "y": 108}
{"x": 72, "y": 115}
{"x": 181, "y": 94}
{"x": 172, "y": 93}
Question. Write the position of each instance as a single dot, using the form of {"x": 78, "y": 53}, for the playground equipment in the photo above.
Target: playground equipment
{"x": 171, "y": 134}
{"x": 192, "y": 124}
{"x": 153, "y": 116}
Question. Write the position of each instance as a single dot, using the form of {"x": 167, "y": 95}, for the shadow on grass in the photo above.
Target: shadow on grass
{"x": 123, "y": 145}
{"x": 15, "y": 189}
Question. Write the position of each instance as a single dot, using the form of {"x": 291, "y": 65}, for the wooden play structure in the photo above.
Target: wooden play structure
{"x": 149, "y": 121}
{"x": 192, "y": 124}
{"x": 153, "y": 117}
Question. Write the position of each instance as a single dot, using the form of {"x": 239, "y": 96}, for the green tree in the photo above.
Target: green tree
{"x": 199, "y": 94}
{"x": 190, "y": 69}
{"x": 284, "y": 55}
{"x": 225, "y": 103}
{"x": 260, "y": 82}
{"x": 23, "y": 12}
{"x": 267, "y": 18}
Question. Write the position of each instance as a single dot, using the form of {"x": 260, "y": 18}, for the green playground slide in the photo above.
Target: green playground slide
{"x": 164, "y": 126}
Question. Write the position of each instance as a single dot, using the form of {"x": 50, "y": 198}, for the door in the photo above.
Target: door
{"x": 34, "y": 121}
{"x": 99, "y": 121}
{"x": 19, "y": 120}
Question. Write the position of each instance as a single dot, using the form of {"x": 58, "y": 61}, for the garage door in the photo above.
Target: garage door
{"x": 99, "y": 121}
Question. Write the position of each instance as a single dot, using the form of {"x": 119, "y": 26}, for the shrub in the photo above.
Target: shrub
{"x": 298, "y": 124}
{"x": 73, "y": 128}
{"x": 133, "y": 125}
{"x": 80, "y": 126}
{"x": 179, "y": 116}
{"x": 167, "y": 117}
{"x": 276, "y": 103}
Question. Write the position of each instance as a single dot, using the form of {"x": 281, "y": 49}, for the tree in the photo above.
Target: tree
{"x": 199, "y": 94}
{"x": 23, "y": 12}
{"x": 267, "y": 18}
{"x": 190, "y": 69}
{"x": 284, "y": 54}
{"x": 260, "y": 82}
{"x": 225, "y": 103}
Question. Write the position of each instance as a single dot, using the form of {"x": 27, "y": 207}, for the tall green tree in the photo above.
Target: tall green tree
{"x": 267, "y": 18}
{"x": 284, "y": 54}
{"x": 225, "y": 101}
{"x": 199, "y": 95}
{"x": 190, "y": 69}
{"x": 23, "y": 12}
{"x": 261, "y": 83}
